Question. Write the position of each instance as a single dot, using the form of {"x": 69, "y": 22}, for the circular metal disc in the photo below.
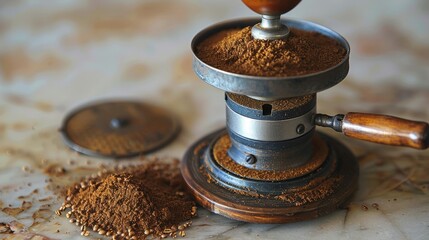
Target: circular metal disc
{"x": 118, "y": 129}
{"x": 291, "y": 207}
{"x": 270, "y": 87}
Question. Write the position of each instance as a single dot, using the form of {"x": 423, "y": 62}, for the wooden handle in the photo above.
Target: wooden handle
{"x": 386, "y": 130}
{"x": 271, "y": 7}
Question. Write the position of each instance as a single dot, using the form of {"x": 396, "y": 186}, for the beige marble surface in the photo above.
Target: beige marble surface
{"x": 56, "y": 55}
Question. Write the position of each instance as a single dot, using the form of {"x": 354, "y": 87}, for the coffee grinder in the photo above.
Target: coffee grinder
{"x": 270, "y": 164}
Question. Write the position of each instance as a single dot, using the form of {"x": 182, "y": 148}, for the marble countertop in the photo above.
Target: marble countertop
{"x": 55, "y": 56}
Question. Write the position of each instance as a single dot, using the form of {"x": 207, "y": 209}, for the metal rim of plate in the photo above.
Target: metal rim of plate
{"x": 118, "y": 128}
{"x": 256, "y": 209}
{"x": 270, "y": 87}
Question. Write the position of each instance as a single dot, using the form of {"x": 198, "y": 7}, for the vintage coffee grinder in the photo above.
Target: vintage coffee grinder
{"x": 270, "y": 165}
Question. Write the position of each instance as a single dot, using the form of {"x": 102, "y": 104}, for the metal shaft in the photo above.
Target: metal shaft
{"x": 270, "y": 28}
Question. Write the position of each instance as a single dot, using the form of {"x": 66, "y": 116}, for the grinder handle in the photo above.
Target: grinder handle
{"x": 378, "y": 128}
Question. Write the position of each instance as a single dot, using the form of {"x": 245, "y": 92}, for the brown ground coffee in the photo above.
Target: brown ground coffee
{"x": 277, "y": 105}
{"x": 133, "y": 203}
{"x": 220, "y": 154}
{"x": 301, "y": 53}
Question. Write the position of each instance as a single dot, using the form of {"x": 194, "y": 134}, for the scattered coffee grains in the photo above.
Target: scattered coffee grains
{"x": 134, "y": 203}
{"x": 375, "y": 206}
{"x": 303, "y": 52}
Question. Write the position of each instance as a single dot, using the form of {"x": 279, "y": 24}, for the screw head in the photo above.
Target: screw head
{"x": 118, "y": 122}
{"x": 300, "y": 129}
{"x": 250, "y": 159}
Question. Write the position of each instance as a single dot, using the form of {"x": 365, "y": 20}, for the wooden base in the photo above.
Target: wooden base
{"x": 312, "y": 201}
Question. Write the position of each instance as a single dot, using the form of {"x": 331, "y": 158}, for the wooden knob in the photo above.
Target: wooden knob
{"x": 271, "y": 7}
{"x": 386, "y": 130}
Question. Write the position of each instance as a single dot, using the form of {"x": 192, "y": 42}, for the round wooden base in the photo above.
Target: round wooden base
{"x": 318, "y": 197}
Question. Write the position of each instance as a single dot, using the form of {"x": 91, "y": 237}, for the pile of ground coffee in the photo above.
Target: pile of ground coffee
{"x": 133, "y": 203}
{"x": 302, "y": 53}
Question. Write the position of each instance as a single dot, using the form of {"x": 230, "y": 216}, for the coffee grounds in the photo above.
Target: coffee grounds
{"x": 315, "y": 190}
{"x": 220, "y": 154}
{"x": 134, "y": 203}
{"x": 302, "y": 53}
{"x": 277, "y": 105}
{"x": 320, "y": 191}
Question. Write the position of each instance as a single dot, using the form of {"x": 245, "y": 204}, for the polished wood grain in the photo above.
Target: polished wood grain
{"x": 271, "y": 7}
{"x": 386, "y": 130}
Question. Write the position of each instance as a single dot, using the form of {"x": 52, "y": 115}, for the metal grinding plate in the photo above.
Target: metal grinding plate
{"x": 118, "y": 129}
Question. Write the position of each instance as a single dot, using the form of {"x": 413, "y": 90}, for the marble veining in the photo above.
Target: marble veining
{"x": 57, "y": 55}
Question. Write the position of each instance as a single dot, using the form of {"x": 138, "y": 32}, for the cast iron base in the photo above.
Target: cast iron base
{"x": 300, "y": 199}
